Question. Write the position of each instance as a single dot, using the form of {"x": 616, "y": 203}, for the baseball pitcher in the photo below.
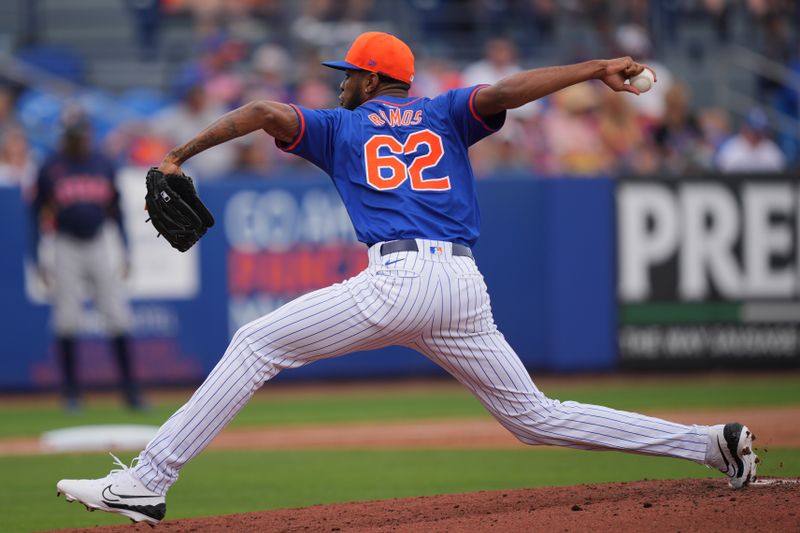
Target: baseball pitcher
{"x": 401, "y": 167}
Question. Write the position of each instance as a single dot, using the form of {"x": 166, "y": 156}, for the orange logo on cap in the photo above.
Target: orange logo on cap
{"x": 383, "y": 53}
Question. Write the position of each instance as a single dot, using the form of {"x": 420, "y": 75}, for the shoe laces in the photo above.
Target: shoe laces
{"x": 123, "y": 467}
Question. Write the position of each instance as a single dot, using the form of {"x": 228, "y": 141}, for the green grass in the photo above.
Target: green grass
{"x": 398, "y": 404}
{"x": 230, "y": 482}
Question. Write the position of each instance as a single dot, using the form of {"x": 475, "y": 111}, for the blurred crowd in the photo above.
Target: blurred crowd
{"x": 260, "y": 49}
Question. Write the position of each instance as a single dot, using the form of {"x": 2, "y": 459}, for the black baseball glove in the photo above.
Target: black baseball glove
{"x": 175, "y": 210}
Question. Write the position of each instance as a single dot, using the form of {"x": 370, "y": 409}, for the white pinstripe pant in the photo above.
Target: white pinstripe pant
{"x": 433, "y": 302}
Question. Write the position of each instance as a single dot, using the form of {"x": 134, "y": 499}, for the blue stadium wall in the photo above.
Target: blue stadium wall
{"x": 547, "y": 252}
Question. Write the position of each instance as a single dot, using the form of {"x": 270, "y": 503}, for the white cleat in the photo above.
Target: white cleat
{"x": 734, "y": 444}
{"x": 120, "y": 492}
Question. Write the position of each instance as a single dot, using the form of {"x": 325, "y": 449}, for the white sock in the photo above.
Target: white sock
{"x": 713, "y": 454}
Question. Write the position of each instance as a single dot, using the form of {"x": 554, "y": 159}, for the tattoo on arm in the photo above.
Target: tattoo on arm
{"x": 231, "y": 125}
{"x": 248, "y": 118}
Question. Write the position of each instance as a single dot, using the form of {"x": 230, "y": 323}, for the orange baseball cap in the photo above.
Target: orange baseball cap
{"x": 379, "y": 52}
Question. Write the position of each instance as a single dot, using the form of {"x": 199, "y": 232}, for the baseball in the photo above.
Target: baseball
{"x": 643, "y": 81}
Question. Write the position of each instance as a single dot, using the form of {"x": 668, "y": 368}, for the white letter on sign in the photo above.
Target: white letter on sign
{"x": 764, "y": 239}
{"x": 711, "y": 226}
{"x": 648, "y": 235}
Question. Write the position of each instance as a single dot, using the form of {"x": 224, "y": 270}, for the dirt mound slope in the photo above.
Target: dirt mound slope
{"x": 699, "y": 505}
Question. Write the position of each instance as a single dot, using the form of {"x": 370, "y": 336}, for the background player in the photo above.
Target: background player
{"x": 76, "y": 196}
{"x": 401, "y": 167}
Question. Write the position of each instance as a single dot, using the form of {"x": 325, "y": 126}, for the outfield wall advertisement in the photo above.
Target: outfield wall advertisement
{"x": 546, "y": 252}
{"x": 584, "y": 275}
{"x": 708, "y": 271}
{"x": 281, "y": 245}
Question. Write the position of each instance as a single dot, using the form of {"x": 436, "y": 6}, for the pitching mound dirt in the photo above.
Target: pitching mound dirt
{"x": 654, "y": 506}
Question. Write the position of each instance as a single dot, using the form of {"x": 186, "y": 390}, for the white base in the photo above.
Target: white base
{"x": 98, "y": 438}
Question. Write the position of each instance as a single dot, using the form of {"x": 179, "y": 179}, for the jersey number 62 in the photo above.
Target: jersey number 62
{"x": 394, "y": 167}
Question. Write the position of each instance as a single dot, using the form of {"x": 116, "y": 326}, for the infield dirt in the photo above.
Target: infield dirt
{"x": 653, "y": 506}
{"x": 769, "y": 423}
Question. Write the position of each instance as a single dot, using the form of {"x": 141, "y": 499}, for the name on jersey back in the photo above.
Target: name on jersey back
{"x": 396, "y": 117}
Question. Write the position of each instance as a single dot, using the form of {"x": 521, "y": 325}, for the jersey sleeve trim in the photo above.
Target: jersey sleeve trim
{"x": 288, "y": 147}
{"x": 474, "y": 113}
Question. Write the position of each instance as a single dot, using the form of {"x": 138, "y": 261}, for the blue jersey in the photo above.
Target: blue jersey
{"x": 401, "y": 165}
{"x": 80, "y": 194}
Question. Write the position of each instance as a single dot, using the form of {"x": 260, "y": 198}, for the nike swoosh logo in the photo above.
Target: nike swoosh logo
{"x": 387, "y": 263}
{"x": 117, "y": 497}
{"x": 734, "y": 449}
{"x": 722, "y": 453}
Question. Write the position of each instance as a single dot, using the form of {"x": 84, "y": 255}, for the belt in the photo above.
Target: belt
{"x": 410, "y": 245}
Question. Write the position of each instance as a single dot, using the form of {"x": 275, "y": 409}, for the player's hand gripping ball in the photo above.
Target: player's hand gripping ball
{"x": 644, "y": 80}
{"x": 175, "y": 210}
